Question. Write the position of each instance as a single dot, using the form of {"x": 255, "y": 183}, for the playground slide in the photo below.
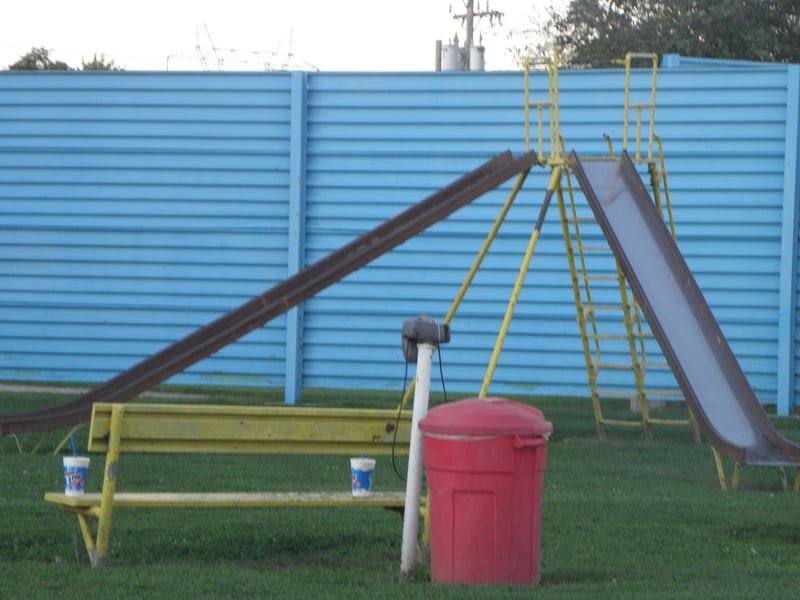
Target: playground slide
{"x": 277, "y": 300}
{"x": 727, "y": 410}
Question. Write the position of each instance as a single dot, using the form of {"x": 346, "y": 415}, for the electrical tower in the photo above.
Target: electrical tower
{"x": 261, "y": 60}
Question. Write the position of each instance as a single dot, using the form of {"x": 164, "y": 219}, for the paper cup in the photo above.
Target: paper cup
{"x": 361, "y": 470}
{"x": 75, "y": 470}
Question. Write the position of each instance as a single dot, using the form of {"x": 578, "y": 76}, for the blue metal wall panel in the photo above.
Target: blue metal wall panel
{"x": 376, "y": 145}
{"x": 725, "y": 135}
{"x": 137, "y": 207}
{"x": 788, "y": 362}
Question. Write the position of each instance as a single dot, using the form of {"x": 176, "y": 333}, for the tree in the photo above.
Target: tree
{"x": 598, "y": 31}
{"x": 38, "y": 59}
{"x": 99, "y": 64}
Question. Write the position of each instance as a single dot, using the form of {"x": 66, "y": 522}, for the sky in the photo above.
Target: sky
{"x": 348, "y": 35}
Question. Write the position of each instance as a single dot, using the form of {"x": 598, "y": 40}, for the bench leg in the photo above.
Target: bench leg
{"x": 98, "y": 555}
{"x": 109, "y": 485}
{"x": 88, "y": 538}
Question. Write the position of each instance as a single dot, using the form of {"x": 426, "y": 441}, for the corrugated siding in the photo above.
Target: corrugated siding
{"x": 725, "y": 141}
{"x": 376, "y": 145}
{"x": 136, "y": 207}
{"x": 723, "y": 134}
{"x": 792, "y": 244}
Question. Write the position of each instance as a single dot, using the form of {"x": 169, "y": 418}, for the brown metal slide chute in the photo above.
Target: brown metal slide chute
{"x": 277, "y": 300}
{"x": 704, "y": 365}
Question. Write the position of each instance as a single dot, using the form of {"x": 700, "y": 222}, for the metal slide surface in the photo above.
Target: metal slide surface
{"x": 277, "y": 300}
{"x": 708, "y": 373}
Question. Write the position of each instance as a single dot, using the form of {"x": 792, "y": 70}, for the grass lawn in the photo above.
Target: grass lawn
{"x": 620, "y": 519}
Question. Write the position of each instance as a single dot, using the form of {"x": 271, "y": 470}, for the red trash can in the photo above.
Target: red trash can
{"x": 485, "y": 460}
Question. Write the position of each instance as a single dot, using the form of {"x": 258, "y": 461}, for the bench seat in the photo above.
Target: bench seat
{"x": 91, "y": 500}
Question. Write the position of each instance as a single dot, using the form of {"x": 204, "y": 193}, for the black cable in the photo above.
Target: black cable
{"x": 441, "y": 372}
{"x": 400, "y": 408}
{"x": 397, "y": 423}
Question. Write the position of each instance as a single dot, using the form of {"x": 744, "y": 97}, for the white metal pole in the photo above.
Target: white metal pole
{"x": 408, "y": 555}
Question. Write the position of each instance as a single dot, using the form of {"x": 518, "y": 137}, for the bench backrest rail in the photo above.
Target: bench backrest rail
{"x": 214, "y": 429}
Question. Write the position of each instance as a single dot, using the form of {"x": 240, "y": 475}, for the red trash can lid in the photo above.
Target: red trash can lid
{"x": 486, "y": 416}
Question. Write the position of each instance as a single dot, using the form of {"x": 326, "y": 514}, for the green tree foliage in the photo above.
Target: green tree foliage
{"x": 598, "y": 31}
{"x": 99, "y": 64}
{"x": 38, "y": 59}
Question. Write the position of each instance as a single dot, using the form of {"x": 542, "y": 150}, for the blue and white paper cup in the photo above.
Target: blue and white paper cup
{"x": 361, "y": 470}
{"x": 75, "y": 470}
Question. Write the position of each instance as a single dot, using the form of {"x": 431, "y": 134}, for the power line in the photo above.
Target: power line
{"x": 261, "y": 59}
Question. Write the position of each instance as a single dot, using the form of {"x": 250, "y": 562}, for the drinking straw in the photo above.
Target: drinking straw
{"x": 74, "y": 449}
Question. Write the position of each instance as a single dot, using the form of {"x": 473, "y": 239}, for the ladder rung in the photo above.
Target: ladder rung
{"x": 614, "y": 394}
{"x": 605, "y": 249}
{"x": 595, "y": 307}
{"x": 610, "y": 394}
{"x": 669, "y": 421}
{"x": 606, "y": 336}
{"x": 615, "y": 366}
{"x": 621, "y": 422}
{"x": 664, "y": 393}
{"x": 599, "y": 278}
{"x": 656, "y": 364}
{"x": 591, "y": 313}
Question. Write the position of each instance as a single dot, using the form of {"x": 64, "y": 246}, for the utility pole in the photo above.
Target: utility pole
{"x": 468, "y": 20}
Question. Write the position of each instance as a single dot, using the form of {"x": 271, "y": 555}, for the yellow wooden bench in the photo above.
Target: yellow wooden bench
{"x": 209, "y": 429}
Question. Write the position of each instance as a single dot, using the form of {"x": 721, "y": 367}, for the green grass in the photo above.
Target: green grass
{"x": 620, "y": 519}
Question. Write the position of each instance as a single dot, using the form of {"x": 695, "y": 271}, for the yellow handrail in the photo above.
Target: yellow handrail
{"x": 638, "y": 106}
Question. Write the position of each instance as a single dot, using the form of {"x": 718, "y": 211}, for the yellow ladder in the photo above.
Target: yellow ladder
{"x": 602, "y": 297}
{"x": 640, "y": 113}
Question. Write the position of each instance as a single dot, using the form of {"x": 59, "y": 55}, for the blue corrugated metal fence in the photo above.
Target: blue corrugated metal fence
{"x": 135, "y": 207}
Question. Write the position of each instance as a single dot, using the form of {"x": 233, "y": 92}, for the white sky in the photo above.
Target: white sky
{"x": 348, "y": 35}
